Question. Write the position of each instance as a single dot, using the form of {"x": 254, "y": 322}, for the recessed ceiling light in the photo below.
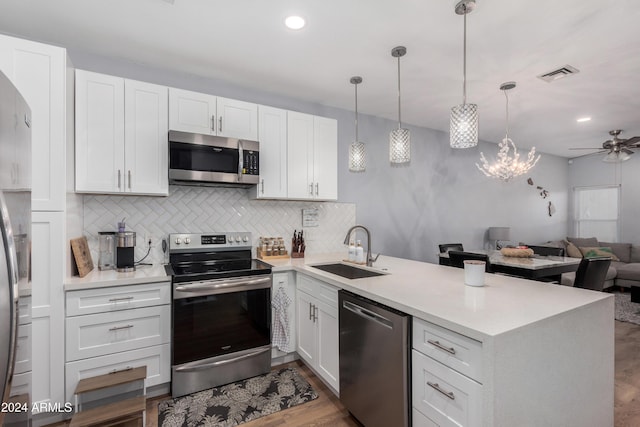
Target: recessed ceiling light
{"x": 583, "y": 119}
{"x": 294, "y": 22}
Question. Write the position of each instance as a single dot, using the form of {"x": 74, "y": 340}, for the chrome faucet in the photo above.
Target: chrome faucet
{"x": 370, "y": 259}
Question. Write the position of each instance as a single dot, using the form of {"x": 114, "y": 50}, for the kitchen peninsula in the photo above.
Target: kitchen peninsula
{"x": 533, "y": 353}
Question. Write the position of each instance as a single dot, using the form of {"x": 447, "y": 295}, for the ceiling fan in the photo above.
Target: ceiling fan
{"x": 618, "y": 149}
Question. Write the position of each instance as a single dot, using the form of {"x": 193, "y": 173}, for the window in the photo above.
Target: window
{"x": 597, "y": 212}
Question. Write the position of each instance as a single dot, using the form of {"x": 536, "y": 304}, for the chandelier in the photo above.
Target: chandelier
{"x": 508, "y": 165}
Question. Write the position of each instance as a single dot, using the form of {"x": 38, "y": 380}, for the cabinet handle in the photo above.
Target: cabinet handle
{"x": 315, "y": 313}
{"x": 311, "y": 188}
{"x": 119, "y": 179}
{"x": 120, "y": 299}
{"x": 220, "y": 124}
{"x": 129, "y": 176}
{"x": 317, "y": 185}
{"x": 117, "y": 328}
{"x": 310, "y": 312}
{"x": 128, "y": 368}
{"x": 213, "y": 123}
{"x": 262, "y": 186}
{"x": 436, "y": 387}
{"x": 441, "y": 347}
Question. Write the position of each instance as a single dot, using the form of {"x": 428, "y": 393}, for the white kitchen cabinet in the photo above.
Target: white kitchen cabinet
{"x": 317, "y": 328}
{"x": 39, "y": 71}
{"x": 312, "y": 150}
{"x": 212, "y": 115}
{"x": 446, "y": 376}
{"x": 121, "y": 135}
{"x": 272, "y": 133}
{"x": 119, "y": 327}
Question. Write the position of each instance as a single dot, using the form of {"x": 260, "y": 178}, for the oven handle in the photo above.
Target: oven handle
{"x": 199, "y": 367}
{"x": 226, "y": 284}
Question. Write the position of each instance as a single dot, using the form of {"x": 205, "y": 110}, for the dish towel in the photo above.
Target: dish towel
{"x": 280, "y": 302}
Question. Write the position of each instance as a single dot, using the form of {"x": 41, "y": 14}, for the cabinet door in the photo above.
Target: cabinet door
{"x": 328, "y": 340}
{"x": 300, "y": 155}
{"x": 38, "y": 71}
{"x": 325, "y": 158}
{"x": 192, "y": 112}
{"x": 237, "y": 119}
{"x": 146, "y": 138}
{"x": 273, "y": 152}
{"x": 306, "y": 328}
{"x": 99, "y": 133}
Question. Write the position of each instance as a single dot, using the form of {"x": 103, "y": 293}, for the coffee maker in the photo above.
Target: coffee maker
{"x": 125, "y": 244}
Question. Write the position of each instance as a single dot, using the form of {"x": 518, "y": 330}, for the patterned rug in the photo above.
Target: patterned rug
{"x": 627, "y": 311}
{"x": 239, "y": 402}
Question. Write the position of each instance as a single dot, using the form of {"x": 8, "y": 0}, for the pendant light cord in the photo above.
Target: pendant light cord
{"x": 464, "y": 58}
{"x": 399, "y": 114}
{"x": 507, "y": 108}
{"x": 356, "y": 85}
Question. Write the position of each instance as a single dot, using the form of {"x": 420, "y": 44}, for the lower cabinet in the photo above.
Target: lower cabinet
{"x": 118, "y": 328}
{"x": 317, "y": 328}
{"x": 446, "y": 377}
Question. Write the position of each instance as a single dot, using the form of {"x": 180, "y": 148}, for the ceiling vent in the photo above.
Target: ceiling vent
{"x": 559, "y": 73}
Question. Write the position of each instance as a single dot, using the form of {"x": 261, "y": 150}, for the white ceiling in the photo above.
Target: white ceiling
{"x": 245, "y": 42}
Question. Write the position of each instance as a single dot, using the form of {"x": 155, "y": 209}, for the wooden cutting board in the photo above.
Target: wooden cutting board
{"x": 82, "y": 255}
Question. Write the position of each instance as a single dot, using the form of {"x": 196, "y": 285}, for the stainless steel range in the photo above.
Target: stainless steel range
{"x": 221, "y": 311}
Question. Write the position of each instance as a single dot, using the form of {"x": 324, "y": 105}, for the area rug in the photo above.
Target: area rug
{"x": 239, "y": 402}
{"x": 627, "y": 311}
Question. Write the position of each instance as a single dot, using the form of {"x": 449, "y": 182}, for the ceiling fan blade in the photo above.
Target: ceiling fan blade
{"x": 632, "y": 141}
{"x": 585, "y": 148}
{"x": 626, "y": 150}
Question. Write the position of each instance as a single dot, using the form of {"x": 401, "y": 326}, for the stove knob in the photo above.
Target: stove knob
{"x": 187, "y": 240}
{"x": 246, "y": 239}
{"x": 229, "y": 239}
{"x": 238, "y": 239}
{"x": 178, "y": 240}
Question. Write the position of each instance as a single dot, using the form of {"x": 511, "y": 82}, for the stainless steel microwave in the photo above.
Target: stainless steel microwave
{"x": 198, "y": 159}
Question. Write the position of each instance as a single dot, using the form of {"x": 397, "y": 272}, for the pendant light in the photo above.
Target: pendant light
{"x": 508, "y": 166}
{"x": 357, "y": 161}
{"x": 464, "y": 117}
{"x": 399, "y": 139}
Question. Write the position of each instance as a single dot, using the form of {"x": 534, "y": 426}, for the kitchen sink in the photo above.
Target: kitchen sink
{"x": 347, "y": 271}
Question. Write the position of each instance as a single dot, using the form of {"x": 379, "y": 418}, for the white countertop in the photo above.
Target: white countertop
{"x": 97, "y": 278}
{"x": 438, "y": 293}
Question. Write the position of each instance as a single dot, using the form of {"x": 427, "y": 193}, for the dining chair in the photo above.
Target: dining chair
{"x": 546, "y": 250}
{"x": 591, "y": 273}
{"x": 457, "y": 259}
{"x": 446, "y": 247}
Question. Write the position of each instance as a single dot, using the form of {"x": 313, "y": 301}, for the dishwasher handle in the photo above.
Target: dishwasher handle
{"x": 367, "y": 314}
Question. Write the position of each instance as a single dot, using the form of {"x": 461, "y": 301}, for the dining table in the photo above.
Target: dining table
{"x": 536, "y": 267}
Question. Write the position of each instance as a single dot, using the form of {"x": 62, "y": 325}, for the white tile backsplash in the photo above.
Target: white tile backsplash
{"x": 206, "y": 209}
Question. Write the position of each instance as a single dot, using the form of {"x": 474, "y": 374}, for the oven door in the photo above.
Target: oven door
{"x": 219, "y": 317}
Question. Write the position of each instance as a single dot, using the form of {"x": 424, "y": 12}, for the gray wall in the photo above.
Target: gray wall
{"x": 441, "y": 197}
{"x": 592, "y": 171}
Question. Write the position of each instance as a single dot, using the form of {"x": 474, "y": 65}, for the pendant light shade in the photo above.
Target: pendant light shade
{"x": 357, "y": 160}
{"x": 464, "y": 117}
{"x": 399, "y": 139}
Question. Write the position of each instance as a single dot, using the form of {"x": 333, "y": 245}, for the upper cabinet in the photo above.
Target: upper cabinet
{"x": 121, "y": 135}
{"x": 312, "y": 148}
{"x": 272, "y": 133}
{"x": 211, "y": 115}
{"x": 39, "y": 72}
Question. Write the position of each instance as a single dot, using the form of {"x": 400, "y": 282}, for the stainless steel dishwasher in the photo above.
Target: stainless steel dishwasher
{"x": 375, "y": 361}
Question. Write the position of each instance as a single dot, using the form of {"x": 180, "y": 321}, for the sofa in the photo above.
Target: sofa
{"x": 625, "y": 263}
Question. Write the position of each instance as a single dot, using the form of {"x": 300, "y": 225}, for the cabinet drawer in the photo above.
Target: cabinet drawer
{"x": 444, "y": 395}
{"x": 316, "y": 288}
{"x": 420, "y": 420}
{"x": 157, "y": 359}
{"x": 102, "y": 300}
{"x": 21, "y": 384}
{"x": 450, "y": 348}
{"x": 23, "y": 349}
{"x": 24, "y": 310}
{"x": 104, "y": 333}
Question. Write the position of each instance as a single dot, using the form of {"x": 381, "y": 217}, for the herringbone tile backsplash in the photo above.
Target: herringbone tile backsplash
{"x": 206, "y": 209}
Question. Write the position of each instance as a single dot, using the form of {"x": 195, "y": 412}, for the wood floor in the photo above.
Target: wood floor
{"x": 327, "y": 410}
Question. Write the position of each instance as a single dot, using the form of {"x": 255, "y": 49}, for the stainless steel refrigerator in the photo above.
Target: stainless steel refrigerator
{"x": 15, "y": 250}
